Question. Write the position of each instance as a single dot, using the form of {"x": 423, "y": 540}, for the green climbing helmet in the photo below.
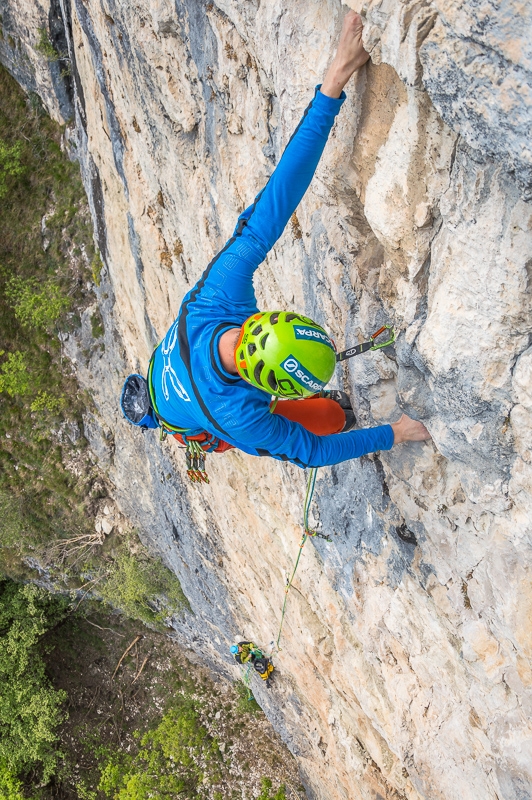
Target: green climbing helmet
{"x": 285, "y": 354}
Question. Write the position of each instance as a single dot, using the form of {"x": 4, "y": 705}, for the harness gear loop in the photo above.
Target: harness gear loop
{"x": 195, "y": 458}
{"x": 369, "y": 345}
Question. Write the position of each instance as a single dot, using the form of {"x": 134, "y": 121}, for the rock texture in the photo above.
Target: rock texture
{"x": 406, "y": 663}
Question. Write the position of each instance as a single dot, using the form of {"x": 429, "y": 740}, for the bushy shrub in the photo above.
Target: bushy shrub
{"x": 266, "y": 791}
{"x": 48, "y": 402}
{"x": 10, "y": 785}
{"x": 45, "y": 47}
{"x": 10, "y": 165}
{"x": 175, "y": 758}
{"x": 14, "y": 376}
{"x": 36, "y": 304}
{"x": 142, "y": 587}
{"x": 30, "y": 709}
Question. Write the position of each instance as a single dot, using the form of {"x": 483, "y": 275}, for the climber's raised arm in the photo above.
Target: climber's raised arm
{"x": 228, "y": 277}
{"x": 273, "y": 207}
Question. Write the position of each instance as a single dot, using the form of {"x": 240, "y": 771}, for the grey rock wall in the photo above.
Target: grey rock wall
{"x": 406, "y": 663}
{"x": 475, "y": 61}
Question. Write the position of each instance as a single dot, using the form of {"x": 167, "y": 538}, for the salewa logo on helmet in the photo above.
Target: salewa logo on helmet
{"x": 301, "y": 375}
{"x": 302, "y": 332}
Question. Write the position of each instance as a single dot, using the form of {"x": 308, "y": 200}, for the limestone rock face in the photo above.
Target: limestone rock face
{"x": 475, "y": 61}
{"x": 405, "y": 669}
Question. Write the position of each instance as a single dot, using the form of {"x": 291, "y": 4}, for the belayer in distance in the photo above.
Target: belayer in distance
{"x": 247, "y": 652}
{"x": 212, "y": 377}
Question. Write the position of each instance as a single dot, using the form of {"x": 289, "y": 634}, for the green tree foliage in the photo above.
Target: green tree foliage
{"x": 36, "y": 305}
{"x": 10, "y": 785}
{"x": 45, "y": 401}
{"x": 178, "y": 757}
{"x": 14, "y": 377}
{"x": 30, "y": 709}
{"x": 10, "y": 165}
{"x": 143, "y": 588}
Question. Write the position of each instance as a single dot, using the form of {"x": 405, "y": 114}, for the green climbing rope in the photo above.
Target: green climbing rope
{"x": 311, "y": 483}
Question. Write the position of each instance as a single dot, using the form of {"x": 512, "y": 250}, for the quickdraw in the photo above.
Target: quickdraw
{"x": 369, "y": 345}
{"x": 195, "y": 456}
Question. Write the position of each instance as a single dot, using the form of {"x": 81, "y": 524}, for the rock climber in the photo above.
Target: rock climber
{"x": 245, "y": 652}
{"x": 214, "y": 374}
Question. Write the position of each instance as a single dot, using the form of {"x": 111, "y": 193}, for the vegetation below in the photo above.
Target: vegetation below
{"x": 30, "y": 709}
{"x": 128, "y": 578}
{"x": 140, "y": 721}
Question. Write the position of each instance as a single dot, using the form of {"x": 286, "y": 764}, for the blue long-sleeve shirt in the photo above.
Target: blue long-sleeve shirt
{"x": 192, "y": 388}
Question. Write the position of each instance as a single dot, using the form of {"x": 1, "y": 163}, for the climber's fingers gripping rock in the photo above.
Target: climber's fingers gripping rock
{"x": 350, "y": 54}
{"x": 349, "y": 57}
{"x": 409, "y": 430}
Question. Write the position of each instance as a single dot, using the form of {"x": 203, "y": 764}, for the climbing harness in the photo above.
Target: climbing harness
{"x": 307, "y": 532}
{"x": 196, "y": 445}
{"x": 369, "y": 345}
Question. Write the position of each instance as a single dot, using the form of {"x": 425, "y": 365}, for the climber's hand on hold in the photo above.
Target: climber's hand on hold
{"x": 409, "y": 430}
{"x": 349, "y": 57}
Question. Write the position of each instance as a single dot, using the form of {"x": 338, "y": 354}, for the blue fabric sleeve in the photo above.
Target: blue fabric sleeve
{"x": 267, "y": 218}
{"x": 289, "y": 441}
{"x": 228, "y": 278}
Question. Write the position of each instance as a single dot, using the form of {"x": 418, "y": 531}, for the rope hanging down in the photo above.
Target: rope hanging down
{"x": 311, "y": 483}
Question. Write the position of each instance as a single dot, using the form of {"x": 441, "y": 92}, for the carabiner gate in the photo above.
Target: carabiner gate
{"x": 389, "y": 341}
